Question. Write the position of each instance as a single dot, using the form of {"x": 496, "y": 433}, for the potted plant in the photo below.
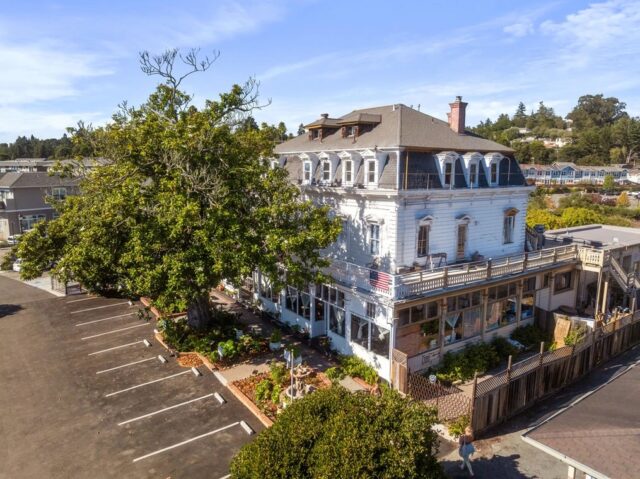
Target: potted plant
{"x": 275, "y": 340}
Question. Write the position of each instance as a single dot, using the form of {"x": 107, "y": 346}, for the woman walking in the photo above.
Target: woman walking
{"x": 465, "y": 443}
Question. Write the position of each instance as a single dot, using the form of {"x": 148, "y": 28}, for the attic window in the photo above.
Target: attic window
{"x": 352, "y": 131}
{"x": 314, "y": 134}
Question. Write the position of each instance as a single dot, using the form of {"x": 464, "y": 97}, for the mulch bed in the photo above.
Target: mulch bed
{"x": 248, "y": 387}
{"x": 189, "y": 360}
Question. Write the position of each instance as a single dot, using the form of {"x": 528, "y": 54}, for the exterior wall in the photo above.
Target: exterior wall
{"x": 485, "y": 207}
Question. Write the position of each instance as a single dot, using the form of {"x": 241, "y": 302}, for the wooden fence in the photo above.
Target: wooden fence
{"x": 450, "y": 401}
{"x": 504, "y": 395}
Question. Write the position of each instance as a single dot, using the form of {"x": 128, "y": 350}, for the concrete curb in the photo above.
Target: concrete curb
{"x": 233, "y": 389}
{"x": 249, "y": 405}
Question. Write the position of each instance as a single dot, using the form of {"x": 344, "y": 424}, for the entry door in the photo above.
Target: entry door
{"x": 461, "y": 246}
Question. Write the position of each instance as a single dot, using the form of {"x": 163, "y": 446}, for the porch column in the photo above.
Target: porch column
{"x": 443, "y": 313}
{"x": 485, "y": 309}
{"x": 518, "y": 302}
{"x": 596, "y": 310}
{"x": 605, "y": 294}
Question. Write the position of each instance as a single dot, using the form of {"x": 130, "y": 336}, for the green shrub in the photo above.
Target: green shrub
{"x": 356, "y": 367}
{"x": 275, "y": 394}
{"x": 575, "y": 336}
{"x": 276, "y": 336}
{"x": 333, "y": 433}
{"x": 228, "y": 348}
{"x": 335, "y": 374}
{"x": 264, "y": 390}
{"x": 463, "y": 364}
{"x": 504, "y": 348}
{"x": 458, "y": 425}
{"x": 278, "y": 372}
{"x": 529, "y": 336}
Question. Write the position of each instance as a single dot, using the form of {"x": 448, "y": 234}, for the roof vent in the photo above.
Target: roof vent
{"x": 324, "y": 115}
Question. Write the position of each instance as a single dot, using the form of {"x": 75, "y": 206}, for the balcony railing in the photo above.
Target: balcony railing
{"x": 401, "y": 286}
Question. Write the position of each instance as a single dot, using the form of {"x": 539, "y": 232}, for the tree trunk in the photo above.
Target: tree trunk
{"x": 199, "y": 315}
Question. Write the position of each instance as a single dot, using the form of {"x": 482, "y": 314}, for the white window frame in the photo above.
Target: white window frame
{"x": 448, "y": 164}
{"x": 373, "y": 238}
{"x": 423, "y": 223}
{"x": 326, "y": 169}
{"x": 55, "y": 193}
{"x": 497, "y": 167}
{"x": 473, "y": 181}
{"x": 509, "y": 226}
{"x": 347, "y": 181}
{"x": 274, "y": 164}
{"x": 368, "y": 163}
{"x": 307, "y": 173}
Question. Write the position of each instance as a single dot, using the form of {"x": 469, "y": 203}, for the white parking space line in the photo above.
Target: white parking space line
{"x": 165, "y": 409}
{"x": 210, "y": 433}
{"x": 115, "y": 331}
{"x": 147, "y": 383}
{"x": 99, "y": 307}
{"x": 83, "y": 299}
{"x": 125, "y": 365}
{"x": 115, "y": 347}
{"x": 105, "y": 319}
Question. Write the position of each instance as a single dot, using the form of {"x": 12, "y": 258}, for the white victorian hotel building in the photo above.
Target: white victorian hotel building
{"x": 432, "y": 251}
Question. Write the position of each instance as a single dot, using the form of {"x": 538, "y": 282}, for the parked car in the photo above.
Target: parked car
{"x": 13, "y": 239}
{"x": 17, "y": 265}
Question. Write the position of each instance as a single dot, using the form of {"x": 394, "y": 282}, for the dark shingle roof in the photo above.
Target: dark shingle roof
{"x": 601, "y": 430}
{"x": 20, "y": 179}
{"x": 400, "y": 126}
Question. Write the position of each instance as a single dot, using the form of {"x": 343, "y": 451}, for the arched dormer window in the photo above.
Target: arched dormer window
{"x": 306, "y": 172}
{"x": 326, "y": 171}
{"x": 424, "y": 231}
{"x": 447, "y": 162}
{"x": 508, "y": 225}
{"x": 492, "y": 163}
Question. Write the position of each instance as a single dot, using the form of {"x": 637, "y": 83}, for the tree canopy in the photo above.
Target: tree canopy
{"x": 599, "y": 132}
{"x": 185, "y": 202}
{"x": 333, "y": 433}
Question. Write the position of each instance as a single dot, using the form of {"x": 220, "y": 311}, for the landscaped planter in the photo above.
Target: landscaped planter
{"x": 275, "y": 340}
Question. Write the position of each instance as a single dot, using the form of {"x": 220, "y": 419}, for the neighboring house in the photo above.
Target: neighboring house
{"x": 31, "y": 165}
{"x": 567, "y": 173}
{"x": 23, "y": 199}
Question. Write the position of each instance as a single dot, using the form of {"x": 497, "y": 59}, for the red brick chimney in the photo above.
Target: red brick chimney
{"x": 457, "y": 115}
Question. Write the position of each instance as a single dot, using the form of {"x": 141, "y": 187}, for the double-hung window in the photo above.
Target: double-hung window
{"x": 473, "y": 174}
{"x": 306, "y": 172}
{"x": 448, "y": 173}
{"x": 374, "y": 238}
{"x": 423, "y": 240}
{"x": 326, "y": 171}
{"x": 371, "y": 172}
{"x": 59, "y": 193}
{"x": 348, "y": 172}
{"x": 494, "y": 173}
{"x": 508, "y": 228}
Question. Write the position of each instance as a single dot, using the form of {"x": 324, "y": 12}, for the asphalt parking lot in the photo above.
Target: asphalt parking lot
{"x": 85, "y": 394}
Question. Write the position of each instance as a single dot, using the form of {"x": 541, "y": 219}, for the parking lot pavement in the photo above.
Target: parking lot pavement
{"x": 85, "y": 396}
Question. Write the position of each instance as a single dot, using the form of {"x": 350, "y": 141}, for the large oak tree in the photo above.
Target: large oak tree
{"x": 185, "y": 201}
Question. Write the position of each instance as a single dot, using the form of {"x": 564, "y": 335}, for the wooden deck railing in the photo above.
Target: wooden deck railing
{"x": 400, "y": 286}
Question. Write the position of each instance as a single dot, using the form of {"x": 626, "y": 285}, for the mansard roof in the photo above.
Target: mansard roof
{"x": 399, "y": 126}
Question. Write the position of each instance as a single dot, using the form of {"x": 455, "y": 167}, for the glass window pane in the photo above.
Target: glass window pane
{"x": 360, "y": 331}
{"x": 380, "y": 340}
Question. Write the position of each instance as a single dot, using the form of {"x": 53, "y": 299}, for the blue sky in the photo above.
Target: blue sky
{"x": 64, "y": 61}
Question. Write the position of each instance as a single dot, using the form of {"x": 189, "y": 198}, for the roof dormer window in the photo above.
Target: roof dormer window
{"x": 326, "y": 171}
{"x": 314, "y": 134}
{"x": 494, "y": 173}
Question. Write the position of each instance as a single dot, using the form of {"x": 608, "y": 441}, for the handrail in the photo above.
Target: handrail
{"x": 399, "y": 286}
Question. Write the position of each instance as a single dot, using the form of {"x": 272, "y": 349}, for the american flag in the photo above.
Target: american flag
{"x": 379, "y": 279}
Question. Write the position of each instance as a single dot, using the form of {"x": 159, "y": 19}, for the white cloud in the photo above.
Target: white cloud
{"x": 521, "y": 29}
{"x": 43, "y": 71}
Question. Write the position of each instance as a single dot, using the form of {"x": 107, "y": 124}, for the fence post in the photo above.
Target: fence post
{"x": 509, "y": 369}
{"x": 445, "y": 276}
{"x": 539, "y": 371}
{"x": 489, "y": 268}
{"x": 525, "y": 261}
{"x": 472, "y": 408}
